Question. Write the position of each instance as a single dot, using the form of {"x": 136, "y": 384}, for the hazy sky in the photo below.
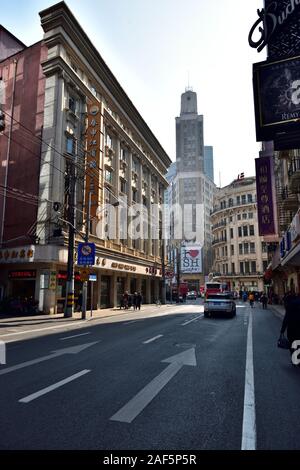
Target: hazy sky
{"x": 152, "y": 46}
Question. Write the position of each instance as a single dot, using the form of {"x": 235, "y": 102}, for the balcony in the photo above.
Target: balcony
{"x": 219, "y": 225}
{"x": 289, "y": 200}
{"x": 294, "y": 175}
{"x": 232, "y": 205}
{"x": 219, "y": 240}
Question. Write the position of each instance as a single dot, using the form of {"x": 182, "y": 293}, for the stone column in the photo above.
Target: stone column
{"x": 129, "y": 193}
{"x": 148, "y": 291}
{"x": 117, "y": 184}
{"x": 140, "y": 201}
{"x": 98, "y": 287}
{"x": 113, "y": 290}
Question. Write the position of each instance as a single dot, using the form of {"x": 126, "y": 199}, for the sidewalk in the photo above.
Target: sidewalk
{"x": 278, "y": 309}
{"x": 102, "y": 313}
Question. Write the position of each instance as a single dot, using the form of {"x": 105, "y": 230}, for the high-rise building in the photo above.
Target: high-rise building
{"x": 209, "y": 161}
{"x": 192, "y": 189}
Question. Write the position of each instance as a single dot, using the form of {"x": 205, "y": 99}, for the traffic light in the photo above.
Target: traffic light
{"x": 2, "y": 120}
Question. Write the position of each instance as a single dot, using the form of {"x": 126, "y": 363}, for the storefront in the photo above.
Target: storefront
{"x": 22, "y": 283}
{"x": 105, "y": 301}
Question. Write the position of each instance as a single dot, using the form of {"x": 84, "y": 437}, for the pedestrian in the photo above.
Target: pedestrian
{"x": 291, "y": 321}
{"x": 125, "y": 300}
{"x": 251, "y": 299}
{"x": 264, "y": 301}
{"x": 134, "y": 301}
{"x": 139, "y": 301}
{"x": 79, "y": 302}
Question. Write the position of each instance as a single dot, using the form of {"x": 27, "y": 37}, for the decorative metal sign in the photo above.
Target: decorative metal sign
{"x": 94, "y": 136}
{"x": 277, "y": 27}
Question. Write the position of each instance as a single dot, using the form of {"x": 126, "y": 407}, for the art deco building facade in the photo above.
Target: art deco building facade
{"x": 240, "y": 254}
{"x": 78, "y": 116}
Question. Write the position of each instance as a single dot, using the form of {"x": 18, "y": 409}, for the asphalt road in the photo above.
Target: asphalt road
{"x": 169, "y": 379}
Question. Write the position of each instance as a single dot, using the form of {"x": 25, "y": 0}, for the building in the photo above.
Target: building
{"x": 240, "y": 254}
{"x": 74, "y": 127}
{"x": 283, "y": 273}
{"x": 209, "y": 162}
{"x": 191, "y": 195}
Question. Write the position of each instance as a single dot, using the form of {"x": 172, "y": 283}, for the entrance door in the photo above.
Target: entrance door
{"x": 120, "y": 289}
{"x": 105, "y": 292}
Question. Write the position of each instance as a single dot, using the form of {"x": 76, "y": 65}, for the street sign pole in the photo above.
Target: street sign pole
{"x": 92, "y": 289}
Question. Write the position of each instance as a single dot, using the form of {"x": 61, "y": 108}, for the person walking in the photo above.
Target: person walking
{"x": 139, "y": 301}
{"x": 251, "y": 299}
{"x": 291, "y": 321}
{"x": 134, "y": 301}
{"x": 264, "y": 301}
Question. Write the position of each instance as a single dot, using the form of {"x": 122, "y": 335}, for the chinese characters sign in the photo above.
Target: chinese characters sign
{"x": 93, "y": 139}
{"x": 265, "y": 203}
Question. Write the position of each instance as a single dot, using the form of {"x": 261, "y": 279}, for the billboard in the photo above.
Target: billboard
{"x": 276, "y": 87}
{"x": 265, "y": 197}
{"x": 191, "y": 259}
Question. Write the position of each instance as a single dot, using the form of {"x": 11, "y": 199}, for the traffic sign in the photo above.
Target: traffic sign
{"x": 84, "y": 275}
{"x": 86, "y": 254}
{"x": 93, "y": 277}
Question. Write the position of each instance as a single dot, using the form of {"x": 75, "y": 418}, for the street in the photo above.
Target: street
{"x": 161, "y": 379}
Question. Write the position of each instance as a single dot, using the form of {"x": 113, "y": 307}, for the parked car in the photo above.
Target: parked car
{"x": 219, "y": 303}
{"x": 191, "y": 295}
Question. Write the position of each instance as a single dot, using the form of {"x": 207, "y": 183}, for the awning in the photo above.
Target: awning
{"x": 292, "y": 258}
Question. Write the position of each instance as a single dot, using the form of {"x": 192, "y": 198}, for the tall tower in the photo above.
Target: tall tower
{"x": 192, "y": 189}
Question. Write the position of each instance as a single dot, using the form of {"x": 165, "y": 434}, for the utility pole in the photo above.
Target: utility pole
{"x": 69, "y": 305}
{"x": 163, "y": 272}
{"x": 178, "y": 271}
{"x": 85, "y": 283}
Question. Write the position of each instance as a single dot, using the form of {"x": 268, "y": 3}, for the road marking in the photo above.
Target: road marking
{"x": 71, "y": 350}
{"x": 249, "y": 419}
{"x": 75, "y": 336}
{"x": 131, "y": 321}
{"x": 152, "y": 339}
{"x": 49, "y": 389}
{"x": 193, "y": 319}
{"x": 136, "y": 405}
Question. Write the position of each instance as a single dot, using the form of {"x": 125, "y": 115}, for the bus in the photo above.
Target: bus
{"x": 215, "y": 287}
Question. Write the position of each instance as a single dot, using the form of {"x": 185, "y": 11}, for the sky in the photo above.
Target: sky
{"x": 156, "y": 48}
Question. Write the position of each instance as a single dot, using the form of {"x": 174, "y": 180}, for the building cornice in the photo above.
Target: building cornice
{"x": 59, "y": 17}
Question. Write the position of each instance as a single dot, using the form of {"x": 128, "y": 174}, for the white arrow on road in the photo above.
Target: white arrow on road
{"x": 57, "y": 353}
{"x": 136, "y": 405}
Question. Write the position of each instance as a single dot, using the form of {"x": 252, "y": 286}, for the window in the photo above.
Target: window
{"x": 230, "y": 218}
{"x": 249, "y": 197}
{"x": 238, "y": 200}
{"x": 264, "y": 247}
{"x": 72, "y": 104}
{"x": 243, "y": 199}
{"x": 226, "y": 251}
{"x": 244, "y": 216}
{"x": 230, "y": 202}
{"x": 241, "y": 267}
{"x": 253, "y": 266}
{"x": 265, "y": 265}
{"x": 233, "y": 268}
{"x": 123, "y": 154}
{"x": 71, "y": 145}
{"x": 231, "y": 233}
{"x": 252, "y": 247}
{"x": 245, "y": 231}
{"x": 108, "y": 176}
{"x": 144, "y": 201}
{"x": 240, "y": 248}
{"x": 247, "y": 267}
{"x": 251, "y": 230}
{"x": 246, "y": 248}
{"x": 240, "y": 231}
{"x": 250, "y": 215}
{"x": 239, "y": 217}
{"x": 232, "y": 250}
{"x": 122, "y": 185}
{"x": 108, "y": 141}
{"x": 134, "y": 195}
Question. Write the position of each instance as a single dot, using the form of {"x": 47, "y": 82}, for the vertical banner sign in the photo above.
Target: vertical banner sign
{"x": 265, "y": 202}
{"x": 94, "y": 139}
{"x": 191, "y": 259}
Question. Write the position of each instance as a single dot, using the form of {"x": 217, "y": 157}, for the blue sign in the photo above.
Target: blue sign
{"x": 86, "y": 254}
{"x": 93, "y": 277}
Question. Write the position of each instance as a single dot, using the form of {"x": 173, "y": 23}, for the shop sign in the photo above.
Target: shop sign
{"x": 93, "y": 143}
{"x": 265, "y": 203}
{"x": 295, "y": 227}
{"x": 23, "y": 255}
{"x": 93, "y": 277}
{"x": 28, "y": 274}
{"x": 52, "y": 280}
